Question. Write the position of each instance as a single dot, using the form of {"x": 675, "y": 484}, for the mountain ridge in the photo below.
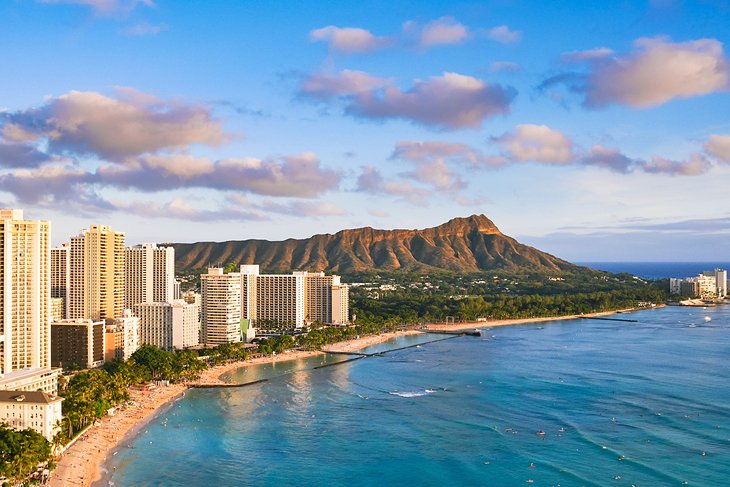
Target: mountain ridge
{"x": 463, "y": 244}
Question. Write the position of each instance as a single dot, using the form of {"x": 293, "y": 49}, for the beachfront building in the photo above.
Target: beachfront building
{"x": 36, "y": 410}
{"x": 25, "y": 307}
{"x": 77, "y": 344}
{"x": 340, "y": 304}
{"x": 121, "y": 336}
{"x": 220, "y": 307}
{"x": 60, "y": 276}
{"x": 280, "y": 305}
{"x": 96, "y": 274}
{"x": 149, "y": 274}
{"x": 708, "y": 285}
{"x": 277, "y": 302}
{"x": 174, "y": 325}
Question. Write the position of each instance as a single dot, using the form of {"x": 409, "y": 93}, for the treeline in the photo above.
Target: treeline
{"x": 417, "y": 307}
{"x": 89, "y": 395}
{"x": 21, "y": 452}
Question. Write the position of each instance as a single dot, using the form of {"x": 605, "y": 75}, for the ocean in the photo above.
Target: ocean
{"x": 570, "y": 403}
{"x": 657, "y": 270}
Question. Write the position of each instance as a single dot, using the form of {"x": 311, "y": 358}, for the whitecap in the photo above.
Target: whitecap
{"x": 411, "y": 393}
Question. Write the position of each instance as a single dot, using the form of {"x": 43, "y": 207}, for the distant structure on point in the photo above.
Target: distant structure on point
{"x": 708, "y": 285}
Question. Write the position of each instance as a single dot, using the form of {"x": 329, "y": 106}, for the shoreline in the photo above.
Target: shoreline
{"x": 83, "y": 464}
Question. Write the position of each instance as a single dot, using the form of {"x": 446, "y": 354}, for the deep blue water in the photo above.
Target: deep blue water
{"x": 657, "y": 270}
{"x": 648, "y": 402}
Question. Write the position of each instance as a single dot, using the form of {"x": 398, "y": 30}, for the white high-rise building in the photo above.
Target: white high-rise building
{"x": 220, "y": 307}
{"x": 169, "y": 325}
{"x": 25, "y": 304}
{"x": 96, "y": 274}
{"x": 721, "y": 282}
{"x": 149, "y": 274}
{"x": 276, "y": 302}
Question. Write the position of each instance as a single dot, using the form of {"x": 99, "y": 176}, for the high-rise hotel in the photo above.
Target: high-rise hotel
{"x": 96, "y": 274}
{"x": 272, "y": 303}
{"x": 25, "y": 306}
{"x": 150, "y": 275}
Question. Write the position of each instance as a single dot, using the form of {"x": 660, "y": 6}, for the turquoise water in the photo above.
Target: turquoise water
{"x": 619, "y": 403}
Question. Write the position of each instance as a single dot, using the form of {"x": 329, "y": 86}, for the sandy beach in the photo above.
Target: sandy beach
{"x": 470, "y": 325}
{"x": 81, "y": 464}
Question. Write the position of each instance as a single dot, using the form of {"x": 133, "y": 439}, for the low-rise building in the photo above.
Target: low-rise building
{"x": 122, "y": 337}
{"x": 36, "y": 410}
{"x": 77, "y": 343}
{"x": 169, "y": 325}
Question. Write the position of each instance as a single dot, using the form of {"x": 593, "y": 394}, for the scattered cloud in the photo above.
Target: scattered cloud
{"x": 378, "y": 213}
{"x": 504, "y": 67}
{"x": 536, "y": 143}
{"x": 655, "y": 72}
{"x": 574, "y": 57}
{"x": 21, "y": 155}
{"x": 372, "y": 182}
{"x": 104, "y": 8}
{"x": 145, "y": 29}
{"x": 695, "y": 165}
{"x": 437, "y": 174}
{"x": 349, "y": 40}
{"x": 719, "y": 146}
{"x": 504, "y": 35}
{"x": 133, "y": 123}
{"x": 450, "y": 101}
{"x": 442, "y": 31}
{"x": 609, "y": 158}
{"x": 299, "y": 176}
{"x": 345, "y": 83}
{"x": 455, "y": 152}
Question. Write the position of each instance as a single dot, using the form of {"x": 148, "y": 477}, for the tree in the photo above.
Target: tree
{"x": 22, "y": 452}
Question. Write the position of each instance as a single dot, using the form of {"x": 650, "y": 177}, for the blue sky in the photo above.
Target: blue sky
{"x": 593, "y": 130}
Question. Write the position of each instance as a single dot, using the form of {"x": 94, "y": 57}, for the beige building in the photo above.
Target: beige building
{"x": 280, "y": 301}
{"x": 96, "y": 274}
{"x": 77, "y": 343}
{"x": 58, "y": 308}
{"x": 122, "y": 336}
{"x": 60, "y": 275}
{"x": 31, "y": 409}
{"x": 169, "y": 325}
{"x": 340, "y": 304}
{"x": 25, "y": 306}
{"x": 150, "y": 274}
{"x": 220, "y": 307}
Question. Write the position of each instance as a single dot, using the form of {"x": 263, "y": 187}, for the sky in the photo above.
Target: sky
{"x": 597, "y": 131}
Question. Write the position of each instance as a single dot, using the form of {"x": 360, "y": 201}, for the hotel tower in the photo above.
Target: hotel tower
{"x": 25, "y": 304}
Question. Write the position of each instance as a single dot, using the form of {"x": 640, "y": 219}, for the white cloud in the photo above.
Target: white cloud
{"x": 114, "y": 128}
{"x": 450, "y": 101}
{"x": 344, "y": 83}
{"x": 442, "y": 31}
{"x": 659, "y": 71}
{"x": 719, "y": 146}
{"x": 536, "y": 143}
{"x": 349, "y": 40}
{"x": 504, "y": 35}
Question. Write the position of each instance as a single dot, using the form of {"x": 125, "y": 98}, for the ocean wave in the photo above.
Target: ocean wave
{"x": 411, "y": 393}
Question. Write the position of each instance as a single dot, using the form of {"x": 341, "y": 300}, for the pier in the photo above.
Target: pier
{"x": 608, "y": 319}
{"x": 225, "y": 384}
